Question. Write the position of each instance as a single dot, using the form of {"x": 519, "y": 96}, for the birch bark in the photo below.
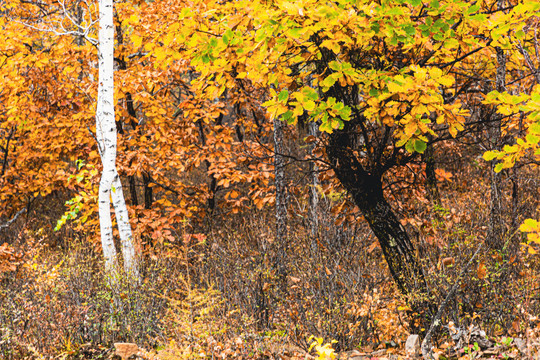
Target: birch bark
{"x": 107, "y": 142}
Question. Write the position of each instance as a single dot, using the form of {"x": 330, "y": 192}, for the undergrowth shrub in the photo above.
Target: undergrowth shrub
{"x": 338, "y": 292}
{"x": 219, "y": 294}
{"x": 58, "y": 302}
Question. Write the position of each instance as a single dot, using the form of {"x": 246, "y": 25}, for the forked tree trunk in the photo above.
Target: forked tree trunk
{"x": 367, "y": 192}
{"x": 129, "y": 255}
{"x": 107, "y": 143}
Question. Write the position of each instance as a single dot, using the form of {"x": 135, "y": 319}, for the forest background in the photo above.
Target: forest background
{"x": 355, "y": 171}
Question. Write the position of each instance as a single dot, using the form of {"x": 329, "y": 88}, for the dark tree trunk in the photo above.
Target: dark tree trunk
{"x": 358, "y": 138}
{"x": 213, "y": 182}
{"x": 367, "y": 192}
{"x": 431, "y": 179}
{"x": 148, "y": 193}
{"x": 6, "y": 152}
{"x": 133, "y": 191}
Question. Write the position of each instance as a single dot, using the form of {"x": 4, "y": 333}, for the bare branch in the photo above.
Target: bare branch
{"x": 7, "y": 224}
{"x": 426, "y": 343}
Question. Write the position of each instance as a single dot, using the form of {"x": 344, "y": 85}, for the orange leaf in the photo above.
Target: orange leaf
{"x": 481, "y": 273}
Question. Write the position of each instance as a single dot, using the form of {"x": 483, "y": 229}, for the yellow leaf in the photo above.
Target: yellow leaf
{"x": 529, "y": 225}
{"x": 133, "y": 19}
{"x": 137, "y": 41}
{"x": 446, "y": 80}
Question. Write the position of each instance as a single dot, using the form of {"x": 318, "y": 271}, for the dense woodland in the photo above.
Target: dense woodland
{"x": 288, "y": 179}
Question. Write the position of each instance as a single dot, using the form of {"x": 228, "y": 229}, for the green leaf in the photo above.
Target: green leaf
{"x": 310, "y": 93}
{"x": 532, "y": 139}
{"x": 283, "y": 96}
{"x": 325, "y": 127}
{"x": 420, "y": 146}
{"x": 345, "y": 113}
{"x": 438, "y": 37}
{"x": 260, "y": 35}
{"x": 395, "y": 11}
{"x": 329, "y": 81}
{"x": 373, "y": 92}
{"x": 535, "y": 128}
{"x": 295, "y": 32}
{"x": 227, "y": 36}
{"x": 479, "y": 17}
{"x": 439, "y": 23}
{"x": 335, "y": 65}
{"x": 528, "y": 225}
{"x": 473, "y": 9}
{"x": 409, "y": 29}
{"x": 288, "y": 117}
{"x": 409, "y": 146}
{"x": 401, "y": 142}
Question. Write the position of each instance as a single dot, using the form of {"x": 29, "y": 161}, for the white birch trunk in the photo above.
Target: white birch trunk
{"x": 106, "y": 137}
{"x": 124, "y": 228}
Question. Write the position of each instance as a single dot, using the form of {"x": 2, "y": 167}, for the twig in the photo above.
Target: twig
{"x": 426, "y": 343}
{"x": 7, "y": 224}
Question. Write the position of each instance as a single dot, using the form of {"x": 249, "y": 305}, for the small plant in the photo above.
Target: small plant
{"x": 506, "y": 341}
{"x": 324, "y": 351}
{"x": 471, "y": 350}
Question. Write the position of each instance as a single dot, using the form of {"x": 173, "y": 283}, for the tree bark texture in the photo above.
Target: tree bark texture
{"x": 313, "y": 191}
{"x": 496, "y": 231}
{"x": 280, "y": 246}
{"x": 107, "y": 143}
{"x": 358, "y": 143}
{"x": 431, "y": 178}
{"x": 367, "y": 192}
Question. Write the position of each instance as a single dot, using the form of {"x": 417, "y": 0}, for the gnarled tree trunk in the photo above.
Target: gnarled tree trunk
{"x": 366, "y": 189}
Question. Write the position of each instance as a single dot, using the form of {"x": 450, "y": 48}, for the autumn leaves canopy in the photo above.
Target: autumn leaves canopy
{"x": 198, "y": 81}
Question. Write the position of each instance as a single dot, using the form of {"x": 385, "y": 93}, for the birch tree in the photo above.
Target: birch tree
{"x": 110, "y": 184}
